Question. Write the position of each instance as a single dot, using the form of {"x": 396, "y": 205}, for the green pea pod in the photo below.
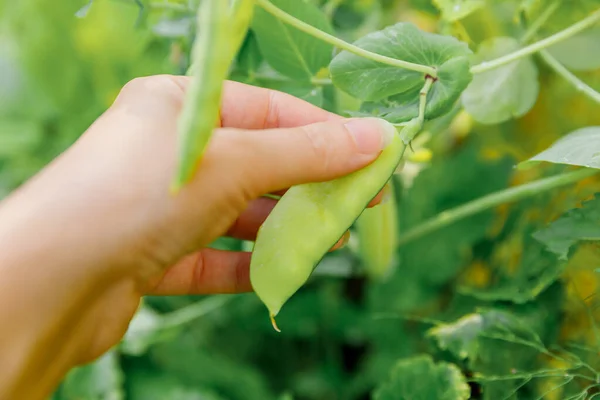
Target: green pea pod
{"x": 212, "y": 54}
{"x": 307, "y": 221}
{"x": 377, "y": 232}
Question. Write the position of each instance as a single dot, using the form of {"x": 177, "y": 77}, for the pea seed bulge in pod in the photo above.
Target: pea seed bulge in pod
{"x": 475, "y": 277}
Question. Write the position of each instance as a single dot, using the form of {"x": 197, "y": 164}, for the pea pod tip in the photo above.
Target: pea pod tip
{"x": 272, "y": 316}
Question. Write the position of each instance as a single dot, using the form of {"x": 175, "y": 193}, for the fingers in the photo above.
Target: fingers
{"x": 247, "y": 224}
{"x": 280, "y": 158}
{"x": 209, "y": 271}
{"x": 250, "y": 107}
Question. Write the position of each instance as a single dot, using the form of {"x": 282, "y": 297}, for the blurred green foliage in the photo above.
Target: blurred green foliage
{"x": 479, "y": 304}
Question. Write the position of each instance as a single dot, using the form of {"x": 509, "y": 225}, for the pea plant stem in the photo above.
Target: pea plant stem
{"x": 448, "y": 217}
{"x": 194, "y": 311}
{"x": 552, "y": 62}
{"x": 170, "y": 6}
{"x": 540, "y": 21}
{"x": 574, "y": 29}
{"x": 337, "y": 42}
{"x": 569, "y": 76}
{"x": 423, "y": 98}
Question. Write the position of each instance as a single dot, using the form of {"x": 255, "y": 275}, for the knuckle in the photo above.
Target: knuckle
{"x": 272, "y": 112}
{"x": 149, "y": 85}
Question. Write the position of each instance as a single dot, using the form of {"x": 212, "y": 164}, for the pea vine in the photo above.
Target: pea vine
{"x": 431, "y": 73}
{"x": 428, "y": 70}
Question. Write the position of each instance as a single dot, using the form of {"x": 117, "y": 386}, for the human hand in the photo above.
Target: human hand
{"x": 103, "y": 219}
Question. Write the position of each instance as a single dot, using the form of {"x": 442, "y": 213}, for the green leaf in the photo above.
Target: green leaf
{"x": 581, "y": 148}
{"x": 151, "y": 385}
{"x": 102, "y": 379}
{"x": 311, "y": 94}
{"x": 503, "y": 93}
{"x": 396, "y": 89}
{"x": 580, "y": 52}
{"x": 579, "y": 224}
{"x": 419, "y": 378}
{"x": 454, "y": 10}
{"x": 287, "y": 49}
{"x": 249, "y": 58}
{"x": 461, "y": 337}
{"x": 535, "y": 273}
{"x": 193, "y": 364}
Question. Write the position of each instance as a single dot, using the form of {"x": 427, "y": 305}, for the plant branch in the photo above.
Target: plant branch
{"x": 195, "y": 310}
{"x": 540, "y": 21}
{"x": 569, "y": 76}
{"x": 448, "y": 217}
{"x": 537, "y": 46}
{"x": 170, "y": 6}
{"x": 326, "y": 37}
{"x": 423, "y": 98}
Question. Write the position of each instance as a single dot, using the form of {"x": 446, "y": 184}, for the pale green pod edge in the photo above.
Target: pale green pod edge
{"x": 307, "y": 221}
{"x": 211, "y": 58}
{"x": 377, "y": 233}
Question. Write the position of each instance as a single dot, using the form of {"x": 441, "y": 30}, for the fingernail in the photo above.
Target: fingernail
{"x": 371, "y": 135}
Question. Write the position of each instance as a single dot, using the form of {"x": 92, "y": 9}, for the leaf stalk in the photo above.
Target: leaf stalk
{"x": 492, "y": 200}
{"x": 337, "y": 42}
{"x": 574, "y": 29}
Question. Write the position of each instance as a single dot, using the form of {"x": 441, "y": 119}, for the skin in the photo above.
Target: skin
{"x": 86, "y": 238}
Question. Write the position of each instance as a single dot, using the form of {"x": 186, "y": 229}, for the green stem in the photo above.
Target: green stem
{"x": 319, "y": 34}
{"x": 540, "y": 21}
{"x": 194, "y": 311}
{"x": 448, "y": 217}
{"x": 569, "y": 76}
{"x": 535, "y": 47}
{"x": 423, "y": 98}
{"x": 331, "y": 6}
{"x": 321, "y": 81}
{"x": 170, "y": 6}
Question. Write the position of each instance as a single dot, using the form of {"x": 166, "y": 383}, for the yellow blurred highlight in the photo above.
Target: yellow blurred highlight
{"x": 550, "y": 386}
{"x": 477, "y": 275}
{"x": 582, "y": 297}
{"x": 420, "y": 156}
{"x": 462, "y": 124}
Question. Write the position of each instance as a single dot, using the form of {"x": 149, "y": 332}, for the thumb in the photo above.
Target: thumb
{"x": 275, "y": 159}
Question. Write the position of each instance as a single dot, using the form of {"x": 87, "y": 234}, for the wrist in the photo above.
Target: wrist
{"x": 49, "y": 287}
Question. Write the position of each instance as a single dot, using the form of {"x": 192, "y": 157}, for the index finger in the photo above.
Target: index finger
{"x": 251, "y": 107}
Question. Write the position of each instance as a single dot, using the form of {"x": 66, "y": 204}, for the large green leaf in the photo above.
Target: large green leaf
{"x": 499, "y": 341}
{"x": 419, "y": 378}
{"x": 102, "y": 379}
{"x": 580, "y": 52}
{"x": 579, "y": 224}
{"x": 461, "y": 337}
{"x": 581, "y": 147}
{"x": 287, "y": 49}
{"x": 397, "y": 89}
{"x": 509, "y": 91}
{"x": 454, "y": 10}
